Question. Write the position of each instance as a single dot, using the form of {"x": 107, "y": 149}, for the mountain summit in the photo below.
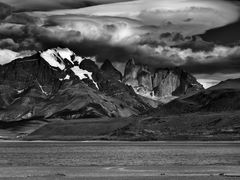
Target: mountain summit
{"x": 45, "y": 69}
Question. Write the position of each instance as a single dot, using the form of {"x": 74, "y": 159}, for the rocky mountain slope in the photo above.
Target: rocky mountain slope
{"x": 223, "y": 97}
{"x": 228, "y": 84}
{"x": 53, "y": 84}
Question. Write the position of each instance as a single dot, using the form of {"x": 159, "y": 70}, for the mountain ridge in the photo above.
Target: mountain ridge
{"x": 36, "y": 81}
{"x": 37, "y": 92}
{"x": 29, "y": 84}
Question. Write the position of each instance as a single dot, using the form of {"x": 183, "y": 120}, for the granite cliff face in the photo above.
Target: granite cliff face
{"x": 159, "y": 83}
{"x": 139, "y": 77}
{"x": 165, "y": 82}
{"x": 144, "y": 77}
{"x": 176, "y": 82}
{"x": 111, "y": 71}
{"x": 131, "y": 73}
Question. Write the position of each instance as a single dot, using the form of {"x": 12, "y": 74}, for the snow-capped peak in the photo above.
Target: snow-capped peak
{"x": 62, "y": 57}
{"x": 55, "y": 57}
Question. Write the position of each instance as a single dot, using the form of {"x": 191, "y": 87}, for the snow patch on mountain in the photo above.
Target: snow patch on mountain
{"x": 82, "y": 74}
{"x": 61, "y": 57}
{"x": 78, "y": 59}
{"x": 53, "y": 59}
{"x": 65, "y": 53}
{"x": 67, "y": 77}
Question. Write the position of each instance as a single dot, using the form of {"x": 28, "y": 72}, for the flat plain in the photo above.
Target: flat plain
{"x": 119, "y": 160}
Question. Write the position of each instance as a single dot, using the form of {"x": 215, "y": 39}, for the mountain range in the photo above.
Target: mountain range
{"x": 49, "y": 93}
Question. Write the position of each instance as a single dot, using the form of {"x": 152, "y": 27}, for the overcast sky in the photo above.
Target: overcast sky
{"x": 197, "y": 35}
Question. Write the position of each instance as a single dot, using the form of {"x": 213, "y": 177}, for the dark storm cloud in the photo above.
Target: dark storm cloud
{"x": 220, "y": 59}
{"x": 177, "y": 40}
{"x": 86, "y": 47}
{"x": 5, "y": 10}
{"x": 22, "y": 35}
{"x": 22, "y": 18}
{"x": 8, "y": 44}
{"x": 12, "y": 31}
{"x": 147, "y": 50}
{"x": 227, "y": 65}
{"x": 195, "y": 44}
{"x": 31, "y": 37}
{"x": 226, "y": 35}
{"x": 48, "y": 5}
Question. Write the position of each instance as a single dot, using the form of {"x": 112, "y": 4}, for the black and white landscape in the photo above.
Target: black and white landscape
{"x": 121, "y": 70}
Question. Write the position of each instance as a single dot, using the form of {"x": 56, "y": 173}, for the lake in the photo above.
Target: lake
{"x": 130, "y": 160}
